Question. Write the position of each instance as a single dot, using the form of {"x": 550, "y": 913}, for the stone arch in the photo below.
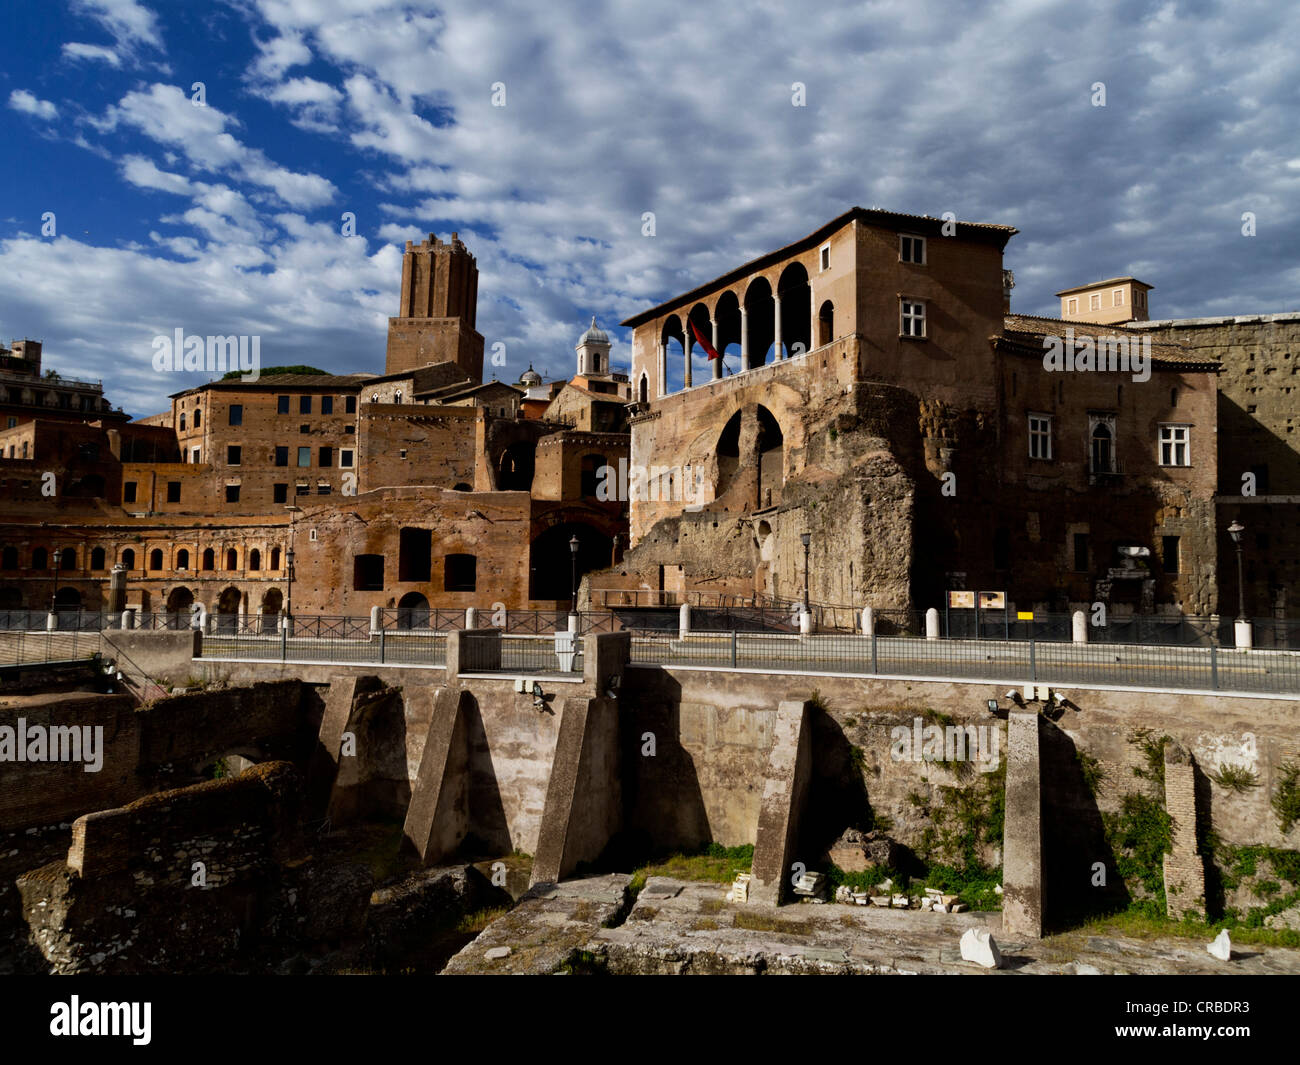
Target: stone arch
{"x": 726, "y": 312}
{"x": 227, "y": 609}
{"x": 771, "y": 458}
{"x": 272, "y": 602}
{"x": 796, "y": 310}
{"x": 254, "y": 559}
{"x": 182, "y": 559}
{"x": 551, "y": 561}
{"x": 826, "y": 323}
{"x": 760, "y": 314}
{"x": 128, "y": 559}
{"x": 179, "y": 601}
{"x": 156, "y": 559}
{"x": 461, "y": 486}
{"x": 232, "y": 558}
{"x": 516, "y": 466}
{"x": 97, "y": 558}
{"x": 671, "y": 332}
{"x": 209, "y": 559}
{"x": 728, "y": 453}
{"x": 413, "y": 611}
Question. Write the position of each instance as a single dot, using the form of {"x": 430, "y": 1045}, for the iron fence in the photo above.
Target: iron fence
{"x": 23, "y": 648}
{"x": 1015, "y": 662}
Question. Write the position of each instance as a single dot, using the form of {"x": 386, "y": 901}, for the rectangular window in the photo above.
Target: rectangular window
{"x": 282, "y": 456}
{"x": 1169, "y": 553}
{"x": 173, "y": 491}
{"x": 236, "y": 414}
{"x": 194, "y": 454}
{"x": 304, "y": 456}
{"x": 414, "y": 554}
{"x": 911, "y": 250}
{"x": 326, "y": 458}
{"x": 1139, "y": 298}
{"x": 233, "y": 453}
{"x": 350, "y": 404}
{"x": 913, "y": 318}
{"x": 322, "y": 489}
{"x": 1040, "y": 436}
{"x": 302, "y": 490}
{"x": 345, "y": 457}
{"x": 304, "y": 404}
{"x": 281, "y": 404}
{"x": 1072, "y": 305}
{"x": 128, "y": 492}
{"x": 1080, "y": 552}
{"x": 280, "y": 493}
{"x": 825, "y": 257}
{"x": 304, "y": 428}
{"x": 327, "y": 404}
{"x": 232, "y": 493}
{"x": 1094, "y": 302}
{"x": 1174, "y": 449}
{"x": 1117, "y": 298}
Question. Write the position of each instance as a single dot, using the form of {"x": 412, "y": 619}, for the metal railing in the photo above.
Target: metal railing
{"x": 23, "y": 648}
{"x": 1093, "y": 665}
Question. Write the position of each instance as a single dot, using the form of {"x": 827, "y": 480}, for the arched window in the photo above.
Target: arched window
{"x": 275, "y": 558}
{"x": 9, "y": 558}
{"x": 826, "y": 323}
{"x": 1173, "y": 397}
{"x": 128, "y": 559}
{"x": 198, "y": 418}
{"x": 209, "y": 559}
{"x": 645, "y": 389}
{"x": 156, "y": 558}
{"x": 182, "y": 559}
{"x": 40, "y": 559}
{"x": 182, "y": 421}
{"x": 374, "y": 397}
{"x": 232, "y": 558}
{"x": 1102, "y": 453}
{"x": 67, "y": 558}
{"x": 97, "y": 558}
{"x": 397, "y": 396}
{"x": 255, "y": 559}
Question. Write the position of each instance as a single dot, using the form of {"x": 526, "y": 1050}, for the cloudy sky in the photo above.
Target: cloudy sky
{"x": 228, "y": 218}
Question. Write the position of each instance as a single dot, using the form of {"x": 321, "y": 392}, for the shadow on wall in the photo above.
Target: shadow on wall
{"x": 838, "y": 797}
{"x": 663, "y": 805}
{"x": 1074, "y": 839}
{"x": 489, "y": 831}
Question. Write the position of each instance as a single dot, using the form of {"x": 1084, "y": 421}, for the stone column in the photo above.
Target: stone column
{"x": 1183, "y": 867}
{"x": 744, "y": 339}
{"x": 812, "y": 317}
{"x": 777, "y": 353}
{"x": 687, "y": 344}
{"x": 661, "y": 360}
{"x": 1022, "y": 847}
{"x": 717, "y": 363}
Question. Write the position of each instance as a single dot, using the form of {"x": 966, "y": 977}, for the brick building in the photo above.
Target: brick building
{"x": 889, "y": 405}
{"x": 319, "y": 493}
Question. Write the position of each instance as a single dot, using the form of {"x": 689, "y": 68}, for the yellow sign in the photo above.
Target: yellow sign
{"x": 1024, "y": 615}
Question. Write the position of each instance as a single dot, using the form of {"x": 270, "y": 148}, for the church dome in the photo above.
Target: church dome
{"x": 594, "y": 334}
{"x": 530, "y": 376}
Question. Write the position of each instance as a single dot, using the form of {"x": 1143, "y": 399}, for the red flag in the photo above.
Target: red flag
{"x": 708, "y": 348}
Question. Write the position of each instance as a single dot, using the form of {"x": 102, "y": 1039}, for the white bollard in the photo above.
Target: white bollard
{"x": 805, "y": 623}
{"x": 471, "y": 617}
{"x": 684, "y": 621}
{"x": 868, "y": 621}
{"x": 376, "y": 620}
{"x": 51, "y": 621}
{"x": 932, "y": 624}
{"x": 573, "y": 622}
{"x": 1243, "y": 635}
{"x": 1079, "y": 623}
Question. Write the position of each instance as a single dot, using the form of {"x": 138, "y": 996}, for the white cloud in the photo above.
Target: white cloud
{"x": 127, "y": 20}
{"x": 23, "y": 101}
{"x": 92, "y": 53}
{"x": 279, "y": 54}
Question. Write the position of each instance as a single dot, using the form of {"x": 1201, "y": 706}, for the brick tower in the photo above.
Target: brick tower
{"x": 435, "y": 322}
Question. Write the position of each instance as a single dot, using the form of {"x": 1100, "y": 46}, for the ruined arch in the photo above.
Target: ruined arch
{"x": 728, "y": 453}
{"x": 551, "y": 561}
{"x": 771, "y": 458}
{"x": 227, "y": 609}
{"x": 179, "y": 601}
{"x": 272, "y": 602}
{"x": 516, "y": 466}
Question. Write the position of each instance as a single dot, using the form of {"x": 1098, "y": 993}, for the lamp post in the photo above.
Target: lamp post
{"x": 573, "y": 551}
{"x": 805, "y": 539}
{"x": 288, "y": 561}
{"x": 1235, "y": 530}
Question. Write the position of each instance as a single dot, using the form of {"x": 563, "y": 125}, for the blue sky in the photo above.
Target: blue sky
{"x": 227, "y": 218}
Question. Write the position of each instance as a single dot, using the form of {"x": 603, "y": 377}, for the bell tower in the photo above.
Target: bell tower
{"x": 435, "y": 322}
{"x": 593, "y": 351}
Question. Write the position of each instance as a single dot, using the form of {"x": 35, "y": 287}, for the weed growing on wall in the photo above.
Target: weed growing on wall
{"x": 1286, "y": 796}
{"x": 1236, "y": 778}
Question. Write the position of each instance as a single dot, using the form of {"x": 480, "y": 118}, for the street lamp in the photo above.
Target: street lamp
{"x": 805, "y": 539}
{"x": 288, "y": 559}
{"x": 573, "y": 550}
{"x": 1235, "y": 530}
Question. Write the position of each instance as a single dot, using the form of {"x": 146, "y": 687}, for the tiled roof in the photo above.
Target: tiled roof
{"x": 1024, "y": 333}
